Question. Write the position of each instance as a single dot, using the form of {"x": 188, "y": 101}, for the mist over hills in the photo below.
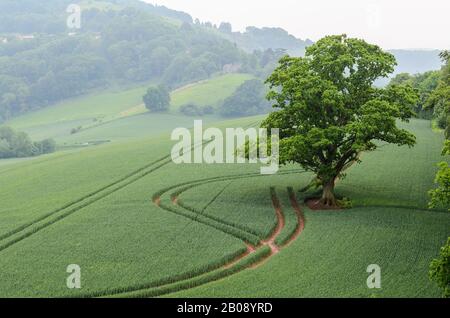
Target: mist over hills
{"x": 124, "y": 42}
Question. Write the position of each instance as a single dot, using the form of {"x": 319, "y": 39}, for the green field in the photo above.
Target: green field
{"x": 139, "y": 225}
{"x": 208, "y": 93}
{"x": 83, "y": 108}
{"x": 121, "y": 115}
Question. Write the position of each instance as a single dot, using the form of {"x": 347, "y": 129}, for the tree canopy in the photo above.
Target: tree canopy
{"x": 18, "y": 144}
{"x": 247, "y": 100}
{"x": 440, "y": 270}
{"x": 439, "y": 99}
{"x": 329, "y": 112}
{"x": 424, "y": 83}
{"x": 157, "y": 99}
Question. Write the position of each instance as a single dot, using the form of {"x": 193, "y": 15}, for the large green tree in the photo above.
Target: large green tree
{"x": 329, "y": 112}
{"x": 157, "y": 99}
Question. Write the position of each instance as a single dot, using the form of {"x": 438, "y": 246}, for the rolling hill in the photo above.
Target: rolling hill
{"x": 100, "y": 201}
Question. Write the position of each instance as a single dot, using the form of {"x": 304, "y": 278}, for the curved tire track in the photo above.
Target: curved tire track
{"x": 230, "y": 267}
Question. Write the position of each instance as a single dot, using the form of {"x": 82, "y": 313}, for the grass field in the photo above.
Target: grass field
{"x": 208, "y": 93}
{"x": 115, "y": 115}
{"x": 139, "y": 225}
{"x": 83, "y": 108}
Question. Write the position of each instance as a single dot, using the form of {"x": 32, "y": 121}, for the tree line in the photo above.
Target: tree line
{"x": 113, "y": 47}
{"x": 248, "y": 99}
{"x": 19, "y": 145}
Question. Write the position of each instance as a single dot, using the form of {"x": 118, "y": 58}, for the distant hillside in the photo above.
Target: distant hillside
{"x": 129, "y": 42}
{"x": 265, "y": 38}
{"x": 31, "y": 16}
{"x": 121, "y": 42}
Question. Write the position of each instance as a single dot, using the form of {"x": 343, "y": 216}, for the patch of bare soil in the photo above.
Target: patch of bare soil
{"x": 315, "y": 204}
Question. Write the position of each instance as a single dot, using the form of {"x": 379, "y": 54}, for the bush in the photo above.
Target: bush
{"x": 157, "y": 99}
{"x": 440, "y": 270}
{"x": 18, "y": 144}
{"x": 75, "y": 130}
{"x": 194, "y": 110}
{"x": 209, "y": 110}
{"x": 190, "y": 110}
{"x": 46, "y": 146}
{"x": 249, "y": 99}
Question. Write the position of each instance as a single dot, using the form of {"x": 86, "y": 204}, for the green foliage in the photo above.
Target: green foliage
{"x": 440, "y": 270}
{"x": 439, "y": 99}
{"x": 18, "y": 145}
{"x": 441, "y": 195}
{"x": 345, "y": 203}
{"x": 247, "y": 100}
{"x": 194, "y": 110}
{"x": 329, "y": 111}
{"x": 424, "y": 83}
{"x": 157, "y": 99}
{"x": 209, "y": 92}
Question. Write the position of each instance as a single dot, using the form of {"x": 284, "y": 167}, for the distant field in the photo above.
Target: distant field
{"x": 138, "y": 126}
{"x": 83, "y": 108}
{"x": 94, "y": 208}
{"x": 121, "y": 114}
{"x": 208, "y": 93}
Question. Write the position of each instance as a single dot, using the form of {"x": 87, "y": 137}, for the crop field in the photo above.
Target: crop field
{"x": 119, "y": 115}
{"x": 208, "y": 93}
{"x": 83, "y": 108}
{"x": 140, "y": 226}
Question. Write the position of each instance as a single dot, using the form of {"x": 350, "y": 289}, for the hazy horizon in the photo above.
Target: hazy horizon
{"x": 376, "y": 21}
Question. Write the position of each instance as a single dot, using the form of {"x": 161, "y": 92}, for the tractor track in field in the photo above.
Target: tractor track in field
{"x": 28, "y": 229}
{"x": 267, "y": 247}
{"x": 179, "y": 189}
{"x": 254, "y": 253}
{"x": 301, "y": 220}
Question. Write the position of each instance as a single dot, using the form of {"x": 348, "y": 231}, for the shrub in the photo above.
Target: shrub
{"x": 18, "y": 145}
{"x": 157, "y": 99}
{"x": 440, "y": 270}
{"x": 194, "y": 110}
{"x": 75, "y": 130}
{"x": 249, "y": 99}
{"x": 190, "y": 110}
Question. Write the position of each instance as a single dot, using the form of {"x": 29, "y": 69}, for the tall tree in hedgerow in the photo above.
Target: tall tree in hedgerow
{"x": 329, "y": 112}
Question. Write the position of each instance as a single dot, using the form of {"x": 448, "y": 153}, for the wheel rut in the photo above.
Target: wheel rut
{"x": 240, "y": 262}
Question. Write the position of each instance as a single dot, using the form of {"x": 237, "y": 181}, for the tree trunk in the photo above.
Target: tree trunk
{"x": 328, "y": 197}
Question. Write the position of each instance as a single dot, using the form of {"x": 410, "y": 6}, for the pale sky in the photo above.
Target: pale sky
{"x": 392, "y": 24}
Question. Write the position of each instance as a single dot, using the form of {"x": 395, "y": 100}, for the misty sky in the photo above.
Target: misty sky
{"x": 388, "y": 23}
